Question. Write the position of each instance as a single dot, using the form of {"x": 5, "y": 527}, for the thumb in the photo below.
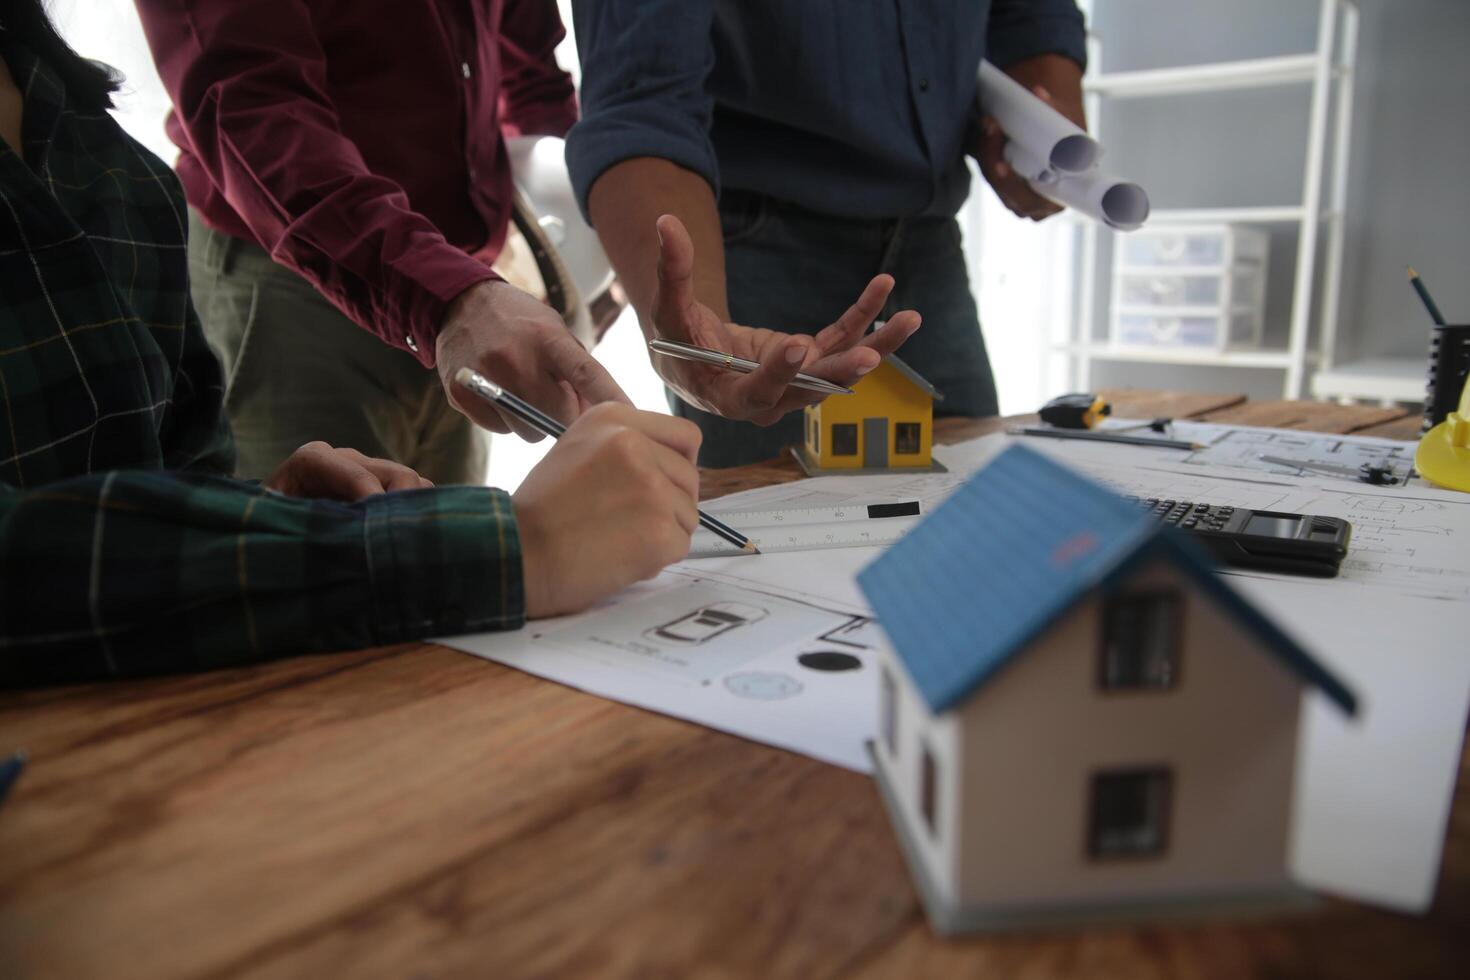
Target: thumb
{"x": 675, "y": 293}
{"x": 575, "y": 368}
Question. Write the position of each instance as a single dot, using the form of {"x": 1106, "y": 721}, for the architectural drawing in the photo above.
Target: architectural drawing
{"x": 762, "y": 685}
{"x": 1242, "y": 448}
{"x": 707, "y": 622}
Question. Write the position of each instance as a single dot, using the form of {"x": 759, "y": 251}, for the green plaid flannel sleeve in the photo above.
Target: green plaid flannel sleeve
{"x": 127, "y": 573}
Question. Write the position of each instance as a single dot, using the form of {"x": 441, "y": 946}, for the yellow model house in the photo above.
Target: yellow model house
{"x": 886, "y": 424}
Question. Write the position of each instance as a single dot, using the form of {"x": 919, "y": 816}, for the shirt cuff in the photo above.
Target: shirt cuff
{"x": 443, "y": 562}
{"x": 1062, "y": 34}
{"x": 542, "y": 120}
{"x": 435, "y": 281}
{"x": 597, "y": 144}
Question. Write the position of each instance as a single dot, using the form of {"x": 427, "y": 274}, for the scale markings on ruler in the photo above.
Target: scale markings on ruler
{"x": 811, "y": 528}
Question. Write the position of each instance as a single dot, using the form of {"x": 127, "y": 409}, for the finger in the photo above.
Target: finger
{"x": 848, "y": 329}
{"x": 476, "y": 409}
{"x": 766, "y": 386}
{"x": 334, "y": 474}
{"x": 393, "y": 476}
{"x": 496, "y": 420}
{"x": 684, "y": 481}
{"x": 992, "y": 148}
{"x": 899, "y": 328}
{"x": 679, "y": 435}
{"x": 674, "y": 297}
{"x": 1014, "y": 192}
{"x": 539, "y": 390}
{"x": 570, "y": 362}
{"x": 1018, "y": 195}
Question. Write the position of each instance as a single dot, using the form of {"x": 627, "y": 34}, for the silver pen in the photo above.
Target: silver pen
{"x": 719, "y": 359}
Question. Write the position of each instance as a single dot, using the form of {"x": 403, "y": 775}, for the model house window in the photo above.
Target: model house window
{"x": 816, "y": 436}
{"x": 927, "y": 790}
{"x": 888, "y": 713}
{"x": 1130, "y": 813}
{"x": 1141, "y": 640}
{"x": 906, "y": 437}
{"x": 844, "y": 439}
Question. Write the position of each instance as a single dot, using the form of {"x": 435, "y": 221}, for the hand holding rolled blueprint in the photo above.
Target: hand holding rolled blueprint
{"x": 1056, "y": 157}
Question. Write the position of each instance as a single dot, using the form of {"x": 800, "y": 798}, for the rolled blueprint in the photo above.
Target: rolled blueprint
{"x": 1116, "y": 202}
{"x": 1047, "y": 134}
{"x": 1056, "y": 157}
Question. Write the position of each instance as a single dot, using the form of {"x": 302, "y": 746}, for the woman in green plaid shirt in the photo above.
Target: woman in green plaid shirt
{"x": 126, "y": 549}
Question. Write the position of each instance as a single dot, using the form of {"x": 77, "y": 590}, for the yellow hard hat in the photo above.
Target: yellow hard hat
{"x": 1443, "y": 456}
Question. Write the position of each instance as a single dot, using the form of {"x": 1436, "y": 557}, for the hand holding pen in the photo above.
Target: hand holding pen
{"x": 840, "y": 353}
{"x": 612, "y": 503}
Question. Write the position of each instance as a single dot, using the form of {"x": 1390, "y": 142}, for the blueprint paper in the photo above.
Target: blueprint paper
{"x": 772, "y": 664}
{"x": 1057, "y": 157}
{"x": 1407, "y": 540}
{"x": 1053, "y": 139}
{"x": 1374, "y": 792}
{"x": 1241, "y": 447}
{"x": 1116, "y": 202}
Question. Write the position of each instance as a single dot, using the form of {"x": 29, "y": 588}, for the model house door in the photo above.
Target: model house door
{"x": 875, "y": 443}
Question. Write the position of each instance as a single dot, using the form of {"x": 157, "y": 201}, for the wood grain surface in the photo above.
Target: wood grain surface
{"x": 415, "y": 812}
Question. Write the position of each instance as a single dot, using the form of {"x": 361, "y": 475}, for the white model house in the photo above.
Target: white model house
{"x": 1079, "y": 720}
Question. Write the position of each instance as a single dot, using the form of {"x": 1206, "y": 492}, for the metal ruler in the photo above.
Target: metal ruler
{"x": 811, "y": 528}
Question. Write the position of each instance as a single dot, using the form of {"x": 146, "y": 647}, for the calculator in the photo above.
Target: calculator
{"x": 1299, "y": 544}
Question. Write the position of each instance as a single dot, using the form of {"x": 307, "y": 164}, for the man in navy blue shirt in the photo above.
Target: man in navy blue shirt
{"x": 807, "y": 153}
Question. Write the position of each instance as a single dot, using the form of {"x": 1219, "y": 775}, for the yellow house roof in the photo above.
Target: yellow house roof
{"x": 914, "y": 376}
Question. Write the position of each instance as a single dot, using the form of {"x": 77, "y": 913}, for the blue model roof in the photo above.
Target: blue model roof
{"x": 1024, "y": 540}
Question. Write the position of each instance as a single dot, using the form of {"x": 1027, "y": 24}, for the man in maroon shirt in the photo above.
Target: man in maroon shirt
{"x": 346, "y": 174}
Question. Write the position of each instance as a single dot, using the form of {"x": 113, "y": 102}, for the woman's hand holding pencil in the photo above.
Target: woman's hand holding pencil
{"x": 613, "y": 502}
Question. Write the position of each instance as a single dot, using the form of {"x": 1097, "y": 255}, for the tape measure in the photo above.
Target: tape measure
{"x": 811, "y": 528}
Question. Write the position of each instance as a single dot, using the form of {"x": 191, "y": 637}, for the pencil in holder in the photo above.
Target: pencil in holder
{"x": 1449, "y": 365}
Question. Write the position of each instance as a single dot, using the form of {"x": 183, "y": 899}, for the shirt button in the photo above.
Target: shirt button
{"x": 412, "y": 345}
{"x": 464, "y": 68}
{"x": 923, "y": 85}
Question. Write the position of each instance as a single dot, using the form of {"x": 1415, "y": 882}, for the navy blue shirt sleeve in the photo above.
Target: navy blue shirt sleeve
{"x": 644, "y": 66}
{"x": 1021, "y": 29}
{"x": 847, "y": 108}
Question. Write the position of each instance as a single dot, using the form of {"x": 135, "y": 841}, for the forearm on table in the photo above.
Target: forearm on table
{"x": 626, "y": 201}
{"x": 131, "y": 573}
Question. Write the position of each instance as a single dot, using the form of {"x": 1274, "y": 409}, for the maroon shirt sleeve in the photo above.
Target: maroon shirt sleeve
{"x": 248, "y": 81}
{"x": 536, "y": 97}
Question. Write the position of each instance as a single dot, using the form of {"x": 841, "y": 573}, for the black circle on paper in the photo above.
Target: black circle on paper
{"x": 829, "y": 660}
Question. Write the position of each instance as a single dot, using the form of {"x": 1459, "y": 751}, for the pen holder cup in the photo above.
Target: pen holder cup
{"x": 1449, "y": 364}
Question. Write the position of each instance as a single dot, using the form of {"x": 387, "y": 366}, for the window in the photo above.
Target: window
{"x": 927, "y": 789}
{"x": 816, "y": 436}
{"x": 1130, "y": 813}
{"x": 906, "y": 437}
{"x": 1140, "y": 642}
{"x": 888, "y": 713}
{"x": 844, "y": 439}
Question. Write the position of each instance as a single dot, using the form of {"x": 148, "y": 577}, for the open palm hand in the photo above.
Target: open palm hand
{"x": 841, "y": 352}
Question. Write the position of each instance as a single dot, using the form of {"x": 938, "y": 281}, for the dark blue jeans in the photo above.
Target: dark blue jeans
{"x": 791, "y": 270}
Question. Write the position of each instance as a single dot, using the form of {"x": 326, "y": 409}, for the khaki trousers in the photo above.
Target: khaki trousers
{"x": 297, "y": 369}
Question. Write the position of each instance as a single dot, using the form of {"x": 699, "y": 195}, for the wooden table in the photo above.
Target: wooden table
{"x": 415, "y": 812}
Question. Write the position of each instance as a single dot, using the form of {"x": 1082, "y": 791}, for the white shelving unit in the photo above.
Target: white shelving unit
{"x": 1318, "y": 215}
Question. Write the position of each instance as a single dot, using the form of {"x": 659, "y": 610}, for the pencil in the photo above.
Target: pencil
{"x": 1103, "y": 436}
{"x": 541, "y": 422}
{"x": 1428, "y": 300}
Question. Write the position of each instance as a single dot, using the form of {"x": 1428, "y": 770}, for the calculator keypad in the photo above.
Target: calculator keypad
{"x": 1186, "y": 513}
